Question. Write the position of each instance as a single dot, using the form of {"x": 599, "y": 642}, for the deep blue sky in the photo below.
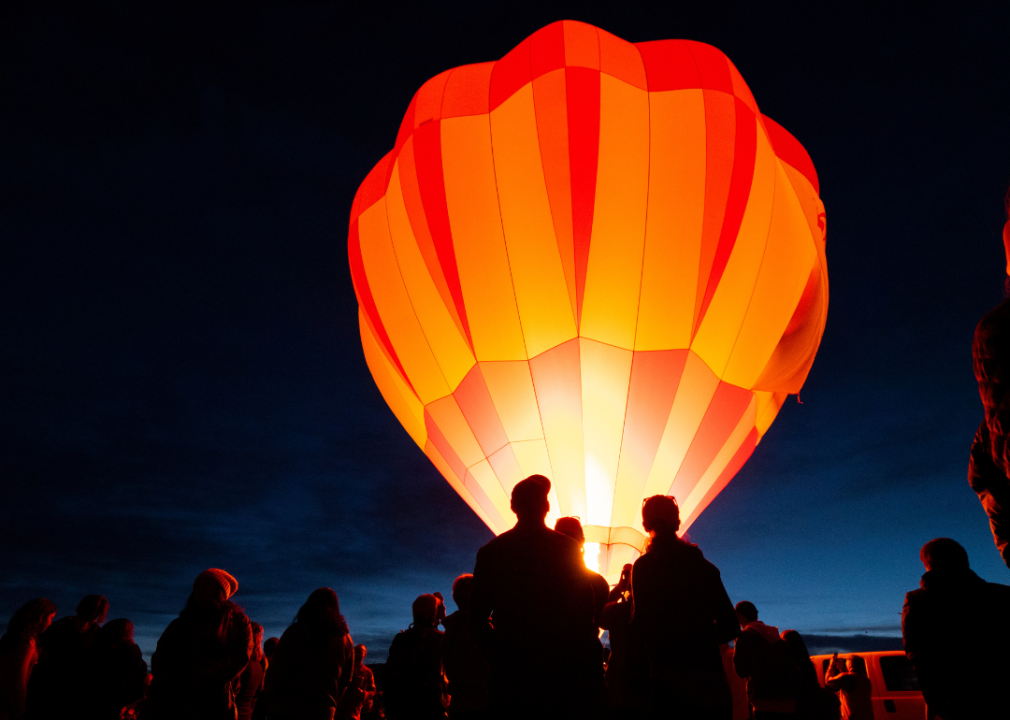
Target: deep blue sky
{"x": 181, "y": 381}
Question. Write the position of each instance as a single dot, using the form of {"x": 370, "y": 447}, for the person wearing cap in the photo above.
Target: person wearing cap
{"x": 530, "y": 582}
{"x": 989, "y": 464}
{"x": 201, "y": 654}
{"x": 681, "y": 614}
{"x": 572, "y": 527}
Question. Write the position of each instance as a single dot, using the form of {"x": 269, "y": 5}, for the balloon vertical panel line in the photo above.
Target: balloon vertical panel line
{"x": 594, "y": 260}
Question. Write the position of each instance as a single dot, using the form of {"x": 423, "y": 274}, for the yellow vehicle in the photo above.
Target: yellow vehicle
{"x": 896, "y": 691}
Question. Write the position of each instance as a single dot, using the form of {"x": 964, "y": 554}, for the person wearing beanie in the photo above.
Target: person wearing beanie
{"x": 531, "y": 582}
{"x": 572, "y": 527}
{"x": 201, "y": 654}
{"x": 989, "y": 463}
{"x": 214, "y": 578}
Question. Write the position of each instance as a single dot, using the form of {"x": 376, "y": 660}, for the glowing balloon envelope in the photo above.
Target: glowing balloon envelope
{"x": 594, "y": 260}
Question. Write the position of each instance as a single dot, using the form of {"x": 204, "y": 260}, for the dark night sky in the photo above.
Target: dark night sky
{"x": 181, "y": 381}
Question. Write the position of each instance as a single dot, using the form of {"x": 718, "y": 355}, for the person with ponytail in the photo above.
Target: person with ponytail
{"x": 681, "y": 615}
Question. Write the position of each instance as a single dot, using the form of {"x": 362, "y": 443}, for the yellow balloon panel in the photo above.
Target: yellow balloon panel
{"x": 596, "y": 261}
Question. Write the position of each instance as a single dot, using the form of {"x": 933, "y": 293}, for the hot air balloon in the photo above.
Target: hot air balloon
{"x": 594, "y": 260}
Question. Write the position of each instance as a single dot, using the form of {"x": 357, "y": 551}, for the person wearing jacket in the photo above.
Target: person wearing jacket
{"x": 956, "y": 630}
{"x": 310, "y": 674}
{"x": 682, "y": 614}
{"x": 989, "y": 463}
{"x": 201, "y": 654}
{"x": 764, "y": 659}
{"x": 531, "y": 583}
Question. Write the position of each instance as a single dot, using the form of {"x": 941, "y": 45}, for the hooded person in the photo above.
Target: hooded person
{"x": 201, "y": 654}
{"x": 530, "y": 581}
{"x": 955, "y": 629}
{"x": 989, "y": 463}
{"x": 681, "y": 614}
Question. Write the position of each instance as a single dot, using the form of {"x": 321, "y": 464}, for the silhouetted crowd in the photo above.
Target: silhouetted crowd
{"x": 524, "y": 642}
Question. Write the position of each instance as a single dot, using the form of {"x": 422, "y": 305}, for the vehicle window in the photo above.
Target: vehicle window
{"x": 898, "y": 673}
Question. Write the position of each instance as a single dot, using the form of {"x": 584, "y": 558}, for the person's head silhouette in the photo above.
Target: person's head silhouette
{"x": 661, "y": 515}
{"x": 91, "y": 611}
{"x": 461, "y": 591}
{"x": 944, "y": 554}
{"x": 529, "y": 499}
{"x": 571, "y": 527}
{"x": 425, "y": 611}
{"x": 746, "y": 612}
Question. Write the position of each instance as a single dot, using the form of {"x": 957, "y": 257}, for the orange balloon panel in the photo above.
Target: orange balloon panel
{"x": 594, "y": 260}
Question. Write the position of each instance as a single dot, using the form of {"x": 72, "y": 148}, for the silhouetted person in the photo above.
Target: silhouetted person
{"x": 309, "y": 676}
{"x": 956, "y": 631}
{"x": 531, "y": 581}
{"x": 200, "y": 654}
{"x": 365, "y": 680}
{"x": 465, "y": 666}
{"x": 853, "y": 686}
{"x": 989, "y": 466}
{"x": 812, "y": 701}
{"x": 269, "y": 646}
{"x": 57, "y": 686}
{"x": 572, "y": 527}
{"x": 623, "y": 675}
{"x": 414, "y": 687}
{"x": 115, "y": 675}
{"x": 682, "y": 615}
{"x": 764, "y": 659}
{"x": 250, "y": 682}
{"x": 19, "y": 651}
